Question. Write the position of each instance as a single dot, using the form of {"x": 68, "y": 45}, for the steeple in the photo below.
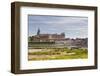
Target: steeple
{"x": 38, "y": 32}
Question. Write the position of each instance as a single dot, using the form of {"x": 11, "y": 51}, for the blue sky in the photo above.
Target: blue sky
{"x": 74, "y": 27}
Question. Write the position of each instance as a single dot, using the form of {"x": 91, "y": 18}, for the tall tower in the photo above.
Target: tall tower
{"x": 63, "y": 34}
{"x": 38, "y": 32}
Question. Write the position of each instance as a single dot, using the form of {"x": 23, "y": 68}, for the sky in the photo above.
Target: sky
{"x": 73, "y": 27}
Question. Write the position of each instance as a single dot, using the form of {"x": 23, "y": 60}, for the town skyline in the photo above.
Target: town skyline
{"x": 73, "y": 27}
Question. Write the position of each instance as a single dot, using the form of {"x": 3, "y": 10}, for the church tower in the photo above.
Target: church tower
{"x": 38, "y": 32}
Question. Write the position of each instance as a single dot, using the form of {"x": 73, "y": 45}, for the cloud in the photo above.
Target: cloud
{"x": 58, "y": 24}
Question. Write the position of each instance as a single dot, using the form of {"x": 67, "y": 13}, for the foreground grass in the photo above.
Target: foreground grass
{"x": 58, "y": 53}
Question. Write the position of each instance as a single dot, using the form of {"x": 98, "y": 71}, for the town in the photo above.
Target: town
{"x": 57, "y": 40}
{"x": 56, "y": 46}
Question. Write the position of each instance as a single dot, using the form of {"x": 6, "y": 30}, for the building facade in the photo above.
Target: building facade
{"x": 59, "y": 39}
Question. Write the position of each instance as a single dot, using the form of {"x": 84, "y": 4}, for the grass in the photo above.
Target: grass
{"x": 58, "y": 53}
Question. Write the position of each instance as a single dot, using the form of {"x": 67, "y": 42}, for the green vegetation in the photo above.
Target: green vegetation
{"x": 57, "y": 53}
{"x": 41, "y": 45}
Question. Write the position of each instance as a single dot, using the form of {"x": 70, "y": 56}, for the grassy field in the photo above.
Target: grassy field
{"x": 57, "y": 53}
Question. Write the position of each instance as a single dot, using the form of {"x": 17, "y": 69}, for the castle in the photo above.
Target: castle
{"x": 58, "y": 39}
{"x": 48, "y": 37}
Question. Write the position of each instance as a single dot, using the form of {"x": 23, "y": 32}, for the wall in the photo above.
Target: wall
{"x": 5, "y": 33}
